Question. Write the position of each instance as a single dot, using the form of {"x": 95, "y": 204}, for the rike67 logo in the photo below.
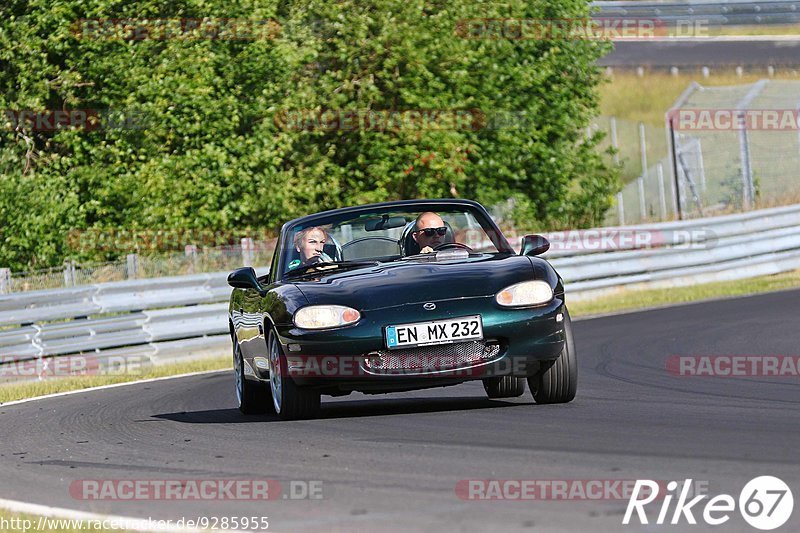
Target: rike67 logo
{"x": 765, "y": 503}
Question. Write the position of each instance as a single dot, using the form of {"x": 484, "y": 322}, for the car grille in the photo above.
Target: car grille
{"x": 425, "y": 359}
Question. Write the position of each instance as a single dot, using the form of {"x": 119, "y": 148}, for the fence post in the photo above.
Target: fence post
{"x": 643, "y": 177}
{"x": 69, "y": 274}
{"x": 744, "y": 157}
{"x": 247, "y": 251}
{"x": 620, "y": 209}
{"x": 191, "y": 252}
{"x": 676, "y": 183}
{"x": 669, "y": 117}
{"x": 5, "y": 280}
{"x": 612, "y": 122}
{"x": 662, "y": 193}
{"x": 797, "y": 113}
{"x": 748, "y": 188}
{"x": 701, "y": 165}
{"x": 133, "y": 266}
{"x": 642, "y": 199}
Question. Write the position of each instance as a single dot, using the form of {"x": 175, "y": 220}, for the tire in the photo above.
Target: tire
{"x": 289, "y": 401}
{"x": 253, "y": 398}
{"x": 557, "y": 381}
{"x": 504, "y": 387}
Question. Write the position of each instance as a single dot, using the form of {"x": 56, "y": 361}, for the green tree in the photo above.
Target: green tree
{"x": 209, "y": 148}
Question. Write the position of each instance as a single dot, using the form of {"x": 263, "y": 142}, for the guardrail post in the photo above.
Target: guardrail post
{"x": 133, "y": 266}
{"x": 248, "y": 249}
{"x": 5, "y": 280}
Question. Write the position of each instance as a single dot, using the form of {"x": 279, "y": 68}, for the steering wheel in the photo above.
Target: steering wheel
{"x": 448, "y": 245}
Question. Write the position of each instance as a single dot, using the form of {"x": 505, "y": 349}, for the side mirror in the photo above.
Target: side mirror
{"x": 244, "y": 278}
{"x": 534, "y": 245}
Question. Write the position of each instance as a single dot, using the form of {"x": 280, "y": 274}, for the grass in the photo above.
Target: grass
{"x": 631, "y": 300}
{"x": 755, "y": 29}
{"x": 646, "y": 98}
{"x": 18, "y": 391}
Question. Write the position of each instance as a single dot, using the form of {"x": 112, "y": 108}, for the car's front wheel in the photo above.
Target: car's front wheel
{"x": 290, "y": 401}
{"x": 253, "y": 398}
{"x": 557, "y": 381}
{"x": 504, "y": 387}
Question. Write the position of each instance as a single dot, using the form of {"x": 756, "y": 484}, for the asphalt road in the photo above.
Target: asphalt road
{"x": 703, "y": 52}
{"x": 393, "y": 462}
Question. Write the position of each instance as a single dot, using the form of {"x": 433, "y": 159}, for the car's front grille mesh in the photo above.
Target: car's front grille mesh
{"x": 432, "y": 358}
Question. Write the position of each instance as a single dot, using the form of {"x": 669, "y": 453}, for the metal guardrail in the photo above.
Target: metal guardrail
{"x": 184, "y": 317}
{"x": 712, "y": 12}
{"x": 112, "y": 297}
{"x": 729, "y": 247}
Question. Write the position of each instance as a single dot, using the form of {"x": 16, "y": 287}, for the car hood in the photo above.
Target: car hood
{"x": 410, "y": 282}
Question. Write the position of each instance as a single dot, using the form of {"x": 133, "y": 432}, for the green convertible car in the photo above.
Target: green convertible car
{"x": 398, "y": 296}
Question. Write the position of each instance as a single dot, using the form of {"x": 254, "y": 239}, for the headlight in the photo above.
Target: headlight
{"x": 325, "y": 316}
{"x": 525, "y": 294}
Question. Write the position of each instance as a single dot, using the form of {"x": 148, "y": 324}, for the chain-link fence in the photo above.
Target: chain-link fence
{"x": 751, "y": 145}
{"x": 193, "y": 260}
{"x": 723, "y": 150}
{"x": 647, "y": 194}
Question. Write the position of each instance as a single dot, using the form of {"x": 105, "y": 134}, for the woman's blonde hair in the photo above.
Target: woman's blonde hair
{"x": 300, "y": 235}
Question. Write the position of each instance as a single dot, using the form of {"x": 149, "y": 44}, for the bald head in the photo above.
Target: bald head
{"x": 425, "y": 220}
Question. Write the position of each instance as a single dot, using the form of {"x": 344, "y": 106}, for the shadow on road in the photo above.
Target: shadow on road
{"x": 348, "y": 409}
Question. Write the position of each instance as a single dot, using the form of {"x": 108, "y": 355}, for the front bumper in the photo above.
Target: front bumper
{"x": 516, "y": 341}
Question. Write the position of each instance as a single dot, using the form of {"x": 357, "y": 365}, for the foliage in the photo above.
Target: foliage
{"x": 207, "y": 148}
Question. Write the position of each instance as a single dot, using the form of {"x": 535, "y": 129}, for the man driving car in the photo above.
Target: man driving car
{"x": 430, "y": 231}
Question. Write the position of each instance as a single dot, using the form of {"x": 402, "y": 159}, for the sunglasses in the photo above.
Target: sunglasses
{"x": 429, "y": 232}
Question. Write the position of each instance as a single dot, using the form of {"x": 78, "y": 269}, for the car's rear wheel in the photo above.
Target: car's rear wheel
{"x": 253, "y": 398}
{"x": 557, "y": 381}
{"x": 290, "y": 401}
{"x": 504, "y": 387}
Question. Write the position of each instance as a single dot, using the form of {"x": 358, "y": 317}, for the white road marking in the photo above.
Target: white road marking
{"x": 112, "y": 386}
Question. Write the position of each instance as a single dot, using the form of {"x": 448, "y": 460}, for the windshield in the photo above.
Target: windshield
{"x": 385, "y": 235}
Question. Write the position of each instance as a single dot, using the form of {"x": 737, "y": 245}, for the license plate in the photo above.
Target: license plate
{"x": 467, "y": 328}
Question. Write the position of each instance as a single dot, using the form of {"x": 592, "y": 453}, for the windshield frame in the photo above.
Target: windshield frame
{"x": 332, "y": 217}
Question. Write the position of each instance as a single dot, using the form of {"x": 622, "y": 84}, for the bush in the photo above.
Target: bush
{"x": 208, "y": 145}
